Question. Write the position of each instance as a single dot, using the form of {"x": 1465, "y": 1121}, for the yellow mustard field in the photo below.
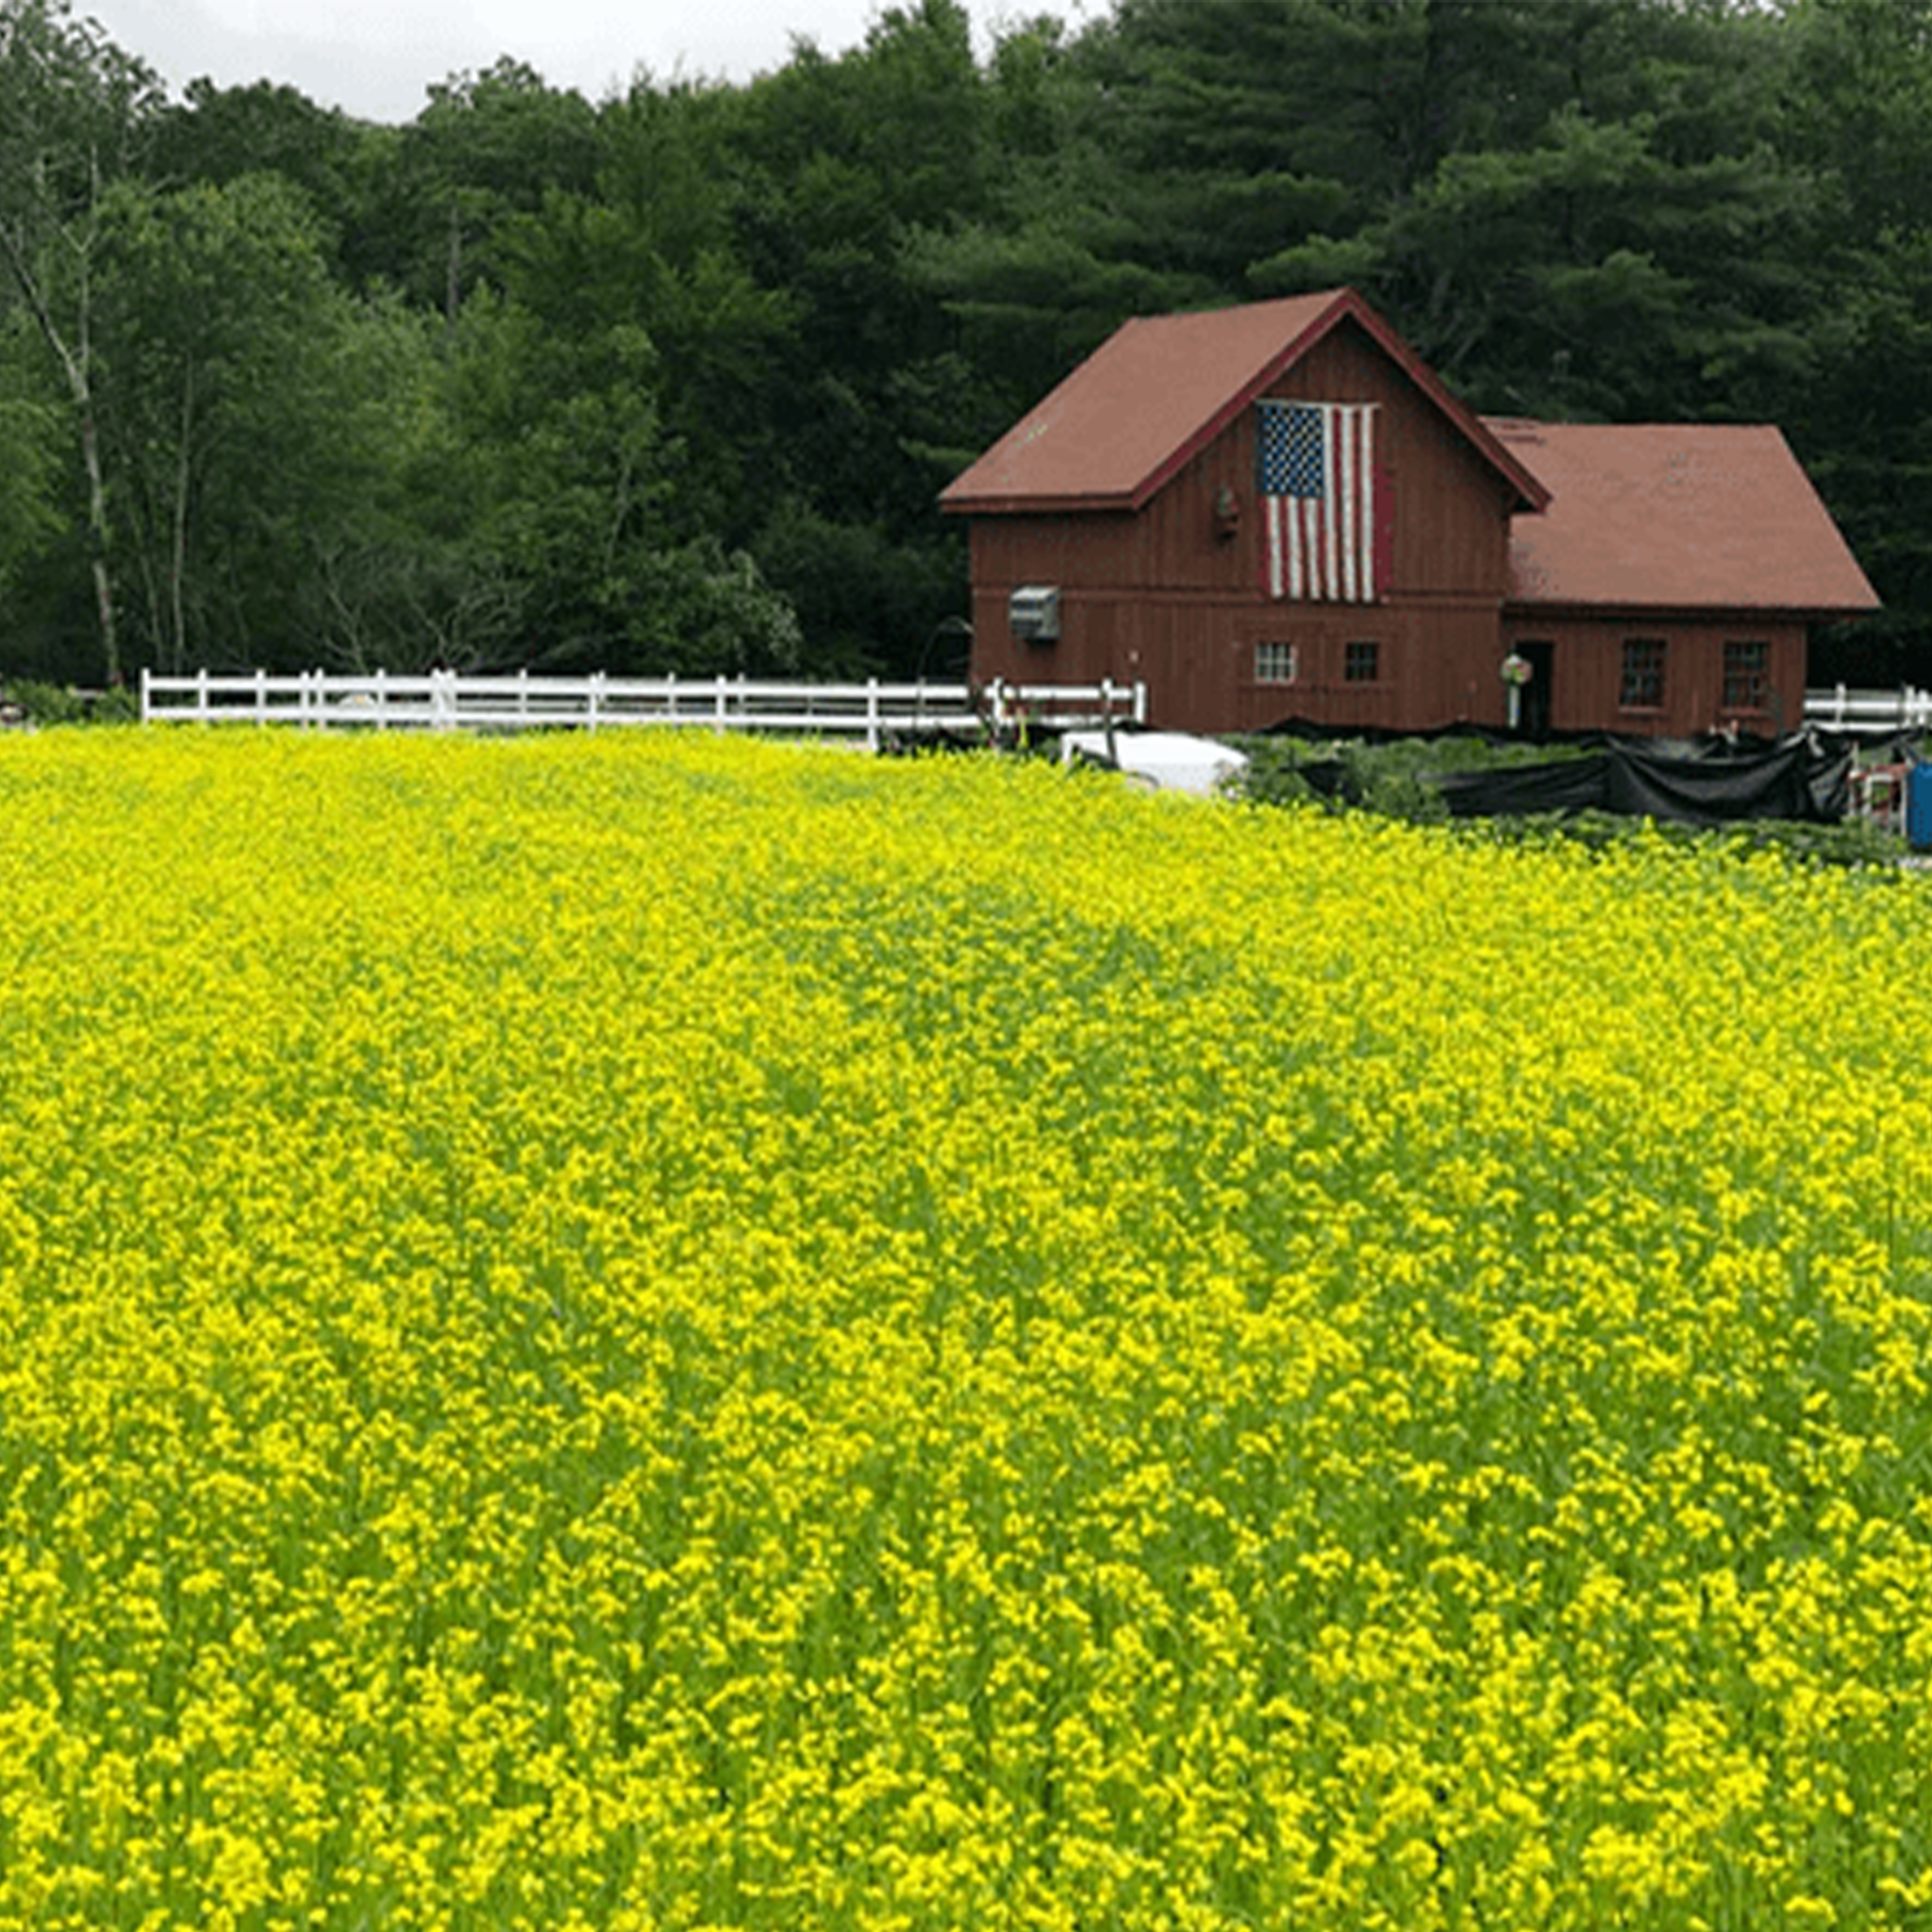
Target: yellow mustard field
{"x": 665, "y": 1333}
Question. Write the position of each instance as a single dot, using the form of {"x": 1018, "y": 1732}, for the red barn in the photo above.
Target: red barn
{"x": 1280, "y": 512}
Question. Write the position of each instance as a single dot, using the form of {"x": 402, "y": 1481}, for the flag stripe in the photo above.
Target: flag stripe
{"x": 1368, "y": 500}
{"x": 1338, "y": 518}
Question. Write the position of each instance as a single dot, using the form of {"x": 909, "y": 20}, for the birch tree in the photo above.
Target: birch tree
{"x": 73, "y": 107}
{"x": 229, "y": 427}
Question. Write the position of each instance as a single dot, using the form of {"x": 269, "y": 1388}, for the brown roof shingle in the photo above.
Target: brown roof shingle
{"x": 1677, "y": 515}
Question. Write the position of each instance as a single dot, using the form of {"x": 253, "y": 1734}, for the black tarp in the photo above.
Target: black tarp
{"x": 1804, "y": 777}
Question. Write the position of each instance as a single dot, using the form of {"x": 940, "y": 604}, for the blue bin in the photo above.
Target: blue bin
{"x": 1919, "y": 806}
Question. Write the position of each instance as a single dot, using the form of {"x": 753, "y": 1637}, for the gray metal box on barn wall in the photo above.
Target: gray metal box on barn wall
{"x": 1919, "y": 806}
{"x": 1034, "y": 613}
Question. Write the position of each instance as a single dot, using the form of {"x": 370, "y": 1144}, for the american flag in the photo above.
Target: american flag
{"x": 1316, "y": 463}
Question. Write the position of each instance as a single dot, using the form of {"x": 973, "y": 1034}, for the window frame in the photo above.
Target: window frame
{"x": 1358, "y": 653}
{"x": 1755, "y": 680}
{"x": 1274, "y": 651}
{"x": 1644, "y": 684}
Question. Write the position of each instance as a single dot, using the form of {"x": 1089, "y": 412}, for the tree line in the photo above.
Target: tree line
{"x": 670, "y": 381}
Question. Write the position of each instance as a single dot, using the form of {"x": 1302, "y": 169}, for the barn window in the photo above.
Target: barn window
{"x": 1643, "y": 675}
{"x": 1362, "y": 661}
{"x": 1274, "y": 663}
{"x": 1747, "y": 676}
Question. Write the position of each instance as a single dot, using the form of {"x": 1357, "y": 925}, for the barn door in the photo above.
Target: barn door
{"x": 1534, "y": 713}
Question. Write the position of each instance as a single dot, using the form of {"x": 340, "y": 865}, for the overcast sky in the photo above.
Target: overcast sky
{"x": 377, "y": 57}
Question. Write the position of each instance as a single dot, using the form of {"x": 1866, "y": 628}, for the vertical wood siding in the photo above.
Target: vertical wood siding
{"x": 1586, "y": 684}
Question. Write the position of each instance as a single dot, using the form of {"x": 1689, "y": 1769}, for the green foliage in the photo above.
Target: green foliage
{"x": 217, "y": 135}
{"x": 76, "y": 111}
{"x": 488, "y": 150}
{"x": 1590, "y": 275}
{"x": 1391, "y": 780}
{"x": 1856, "y": 843}
{"x": 1389, "y": 777}
{"x": 33, "y": 431}
{"x": 856, "y": 585}
{"x": 44, "y": 702}
{"x": 693, "y": 609}
{"x": 226, "y": 413}
{"x": 576, "y": 487}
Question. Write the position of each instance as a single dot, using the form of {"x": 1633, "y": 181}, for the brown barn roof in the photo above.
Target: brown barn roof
{"x": 1678, "y": 515}
{"x": 1161, "y": 387}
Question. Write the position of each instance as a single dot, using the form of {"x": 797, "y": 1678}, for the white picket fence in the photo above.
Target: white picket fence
{"x": 449, "y": 701}
{"x": 1840, "y": 709}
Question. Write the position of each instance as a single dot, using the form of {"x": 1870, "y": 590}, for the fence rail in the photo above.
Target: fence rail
{"x": 449, "y": 701}
{"x": 1837, "y": 708}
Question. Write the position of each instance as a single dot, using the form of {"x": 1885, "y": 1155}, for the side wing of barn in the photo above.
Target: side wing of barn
{"x": 1671, "y": 584}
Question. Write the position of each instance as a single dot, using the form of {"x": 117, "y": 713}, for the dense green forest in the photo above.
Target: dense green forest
{"x": 671, "y": 380}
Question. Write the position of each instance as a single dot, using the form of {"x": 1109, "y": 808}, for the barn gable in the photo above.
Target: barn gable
{"x": 1162, "y": 387}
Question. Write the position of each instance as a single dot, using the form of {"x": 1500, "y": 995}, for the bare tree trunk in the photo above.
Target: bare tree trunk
{"x": 97, "y": 541}
{"x": 177, "y": 558}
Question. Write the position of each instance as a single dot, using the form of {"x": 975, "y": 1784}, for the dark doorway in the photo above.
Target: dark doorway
{"x": 1533, "y": 714}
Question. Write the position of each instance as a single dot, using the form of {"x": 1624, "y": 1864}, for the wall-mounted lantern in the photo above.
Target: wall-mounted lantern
{"x": 1228, "y": 512}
